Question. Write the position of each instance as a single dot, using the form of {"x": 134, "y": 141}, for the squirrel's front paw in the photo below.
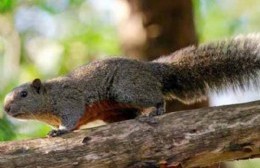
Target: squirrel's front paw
{"x": 55, "y": 133}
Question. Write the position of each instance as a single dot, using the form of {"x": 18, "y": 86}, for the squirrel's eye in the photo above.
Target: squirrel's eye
{"x": 23, "y": 93}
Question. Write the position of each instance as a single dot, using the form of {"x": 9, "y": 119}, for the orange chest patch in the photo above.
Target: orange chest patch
{"x": 107, "y": 111}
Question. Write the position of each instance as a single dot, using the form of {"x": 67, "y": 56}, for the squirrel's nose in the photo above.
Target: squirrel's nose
{"x": 7, "y": 102}
{"x": 7, "y": 108}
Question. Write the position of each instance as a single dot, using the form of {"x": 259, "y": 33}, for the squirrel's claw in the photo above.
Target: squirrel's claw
{"x": 55, "y": 133}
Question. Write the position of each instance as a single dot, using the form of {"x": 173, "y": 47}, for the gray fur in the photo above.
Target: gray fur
{"x": 186, "y": 75}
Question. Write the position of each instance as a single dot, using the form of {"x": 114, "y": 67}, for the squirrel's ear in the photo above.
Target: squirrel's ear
{"x": 37, "y": 85}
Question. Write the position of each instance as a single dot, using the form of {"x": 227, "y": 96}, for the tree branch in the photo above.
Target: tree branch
{"x": 193, "y": 138}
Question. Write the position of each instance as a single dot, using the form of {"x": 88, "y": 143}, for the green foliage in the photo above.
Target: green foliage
{"x": 6, "y": 130}
{"x": 253, "y": 163}
{"x": 6, "y": 5}
{"x": 218, "y": 19}
{"x": 52, "y": 8}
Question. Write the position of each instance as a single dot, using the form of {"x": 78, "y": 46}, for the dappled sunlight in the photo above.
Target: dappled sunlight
{"x": 45, "y": 53}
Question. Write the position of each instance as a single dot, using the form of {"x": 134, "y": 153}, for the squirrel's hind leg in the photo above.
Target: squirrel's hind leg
{"x": 160, "y": 108}
{"x": 147, "y": 114}
{"x": 146, "y": 96}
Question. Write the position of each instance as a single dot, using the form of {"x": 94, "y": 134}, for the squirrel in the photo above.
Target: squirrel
{"x": 116, "y": 89}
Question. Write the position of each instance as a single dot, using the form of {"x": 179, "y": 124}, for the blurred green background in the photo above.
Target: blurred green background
{"x": 46, "y": 38}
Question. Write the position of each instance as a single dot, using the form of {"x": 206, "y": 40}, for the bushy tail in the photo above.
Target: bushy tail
{"x": 189, "y": 74}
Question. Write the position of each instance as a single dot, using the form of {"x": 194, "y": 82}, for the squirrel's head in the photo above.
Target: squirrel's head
{"x": 26, "y": 100}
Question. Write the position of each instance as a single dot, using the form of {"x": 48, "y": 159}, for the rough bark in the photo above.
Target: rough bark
{"x": 193, "y": 138}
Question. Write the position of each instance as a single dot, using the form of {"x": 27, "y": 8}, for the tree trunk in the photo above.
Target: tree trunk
{"x": 165, "y": 26}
